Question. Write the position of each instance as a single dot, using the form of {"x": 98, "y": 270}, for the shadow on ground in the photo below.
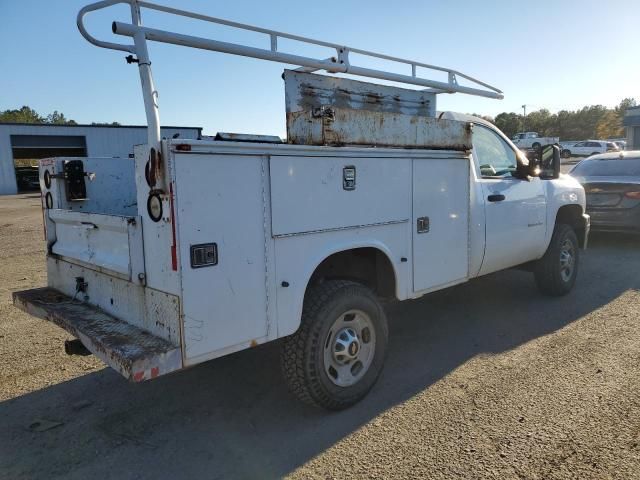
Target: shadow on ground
{"x": 233, "y": 417}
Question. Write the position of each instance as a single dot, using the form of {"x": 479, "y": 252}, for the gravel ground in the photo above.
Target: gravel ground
{"x": 485, "y": 380}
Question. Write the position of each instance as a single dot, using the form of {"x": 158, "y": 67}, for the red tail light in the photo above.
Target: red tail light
{"x": 634, "y": 195}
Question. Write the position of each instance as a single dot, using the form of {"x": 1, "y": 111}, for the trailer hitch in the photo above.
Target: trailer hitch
{"x": 75, "y": 347}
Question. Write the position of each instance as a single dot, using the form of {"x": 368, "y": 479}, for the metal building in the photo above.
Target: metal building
{"x": 632, "y": 124}
{"x": 21, "y": 144}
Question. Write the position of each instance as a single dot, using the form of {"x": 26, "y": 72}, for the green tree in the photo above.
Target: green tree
{"x": 593, "y": 121}
{"x": 57, "y": 118}
{"x": 610, "y": 125}
{"x": 29, "y": 115}
{"x": 21, "y": 115}
{"x": 624, "y": 104}
{"x": 510, "y": 123}
{"x": 540, "y": 121}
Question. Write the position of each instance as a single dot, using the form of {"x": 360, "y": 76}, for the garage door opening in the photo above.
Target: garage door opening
{"x": 28, "y": 149}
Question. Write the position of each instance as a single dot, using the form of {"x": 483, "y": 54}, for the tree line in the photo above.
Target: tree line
{"x": 591, "y": 122}
{"x": 29, "y": 115}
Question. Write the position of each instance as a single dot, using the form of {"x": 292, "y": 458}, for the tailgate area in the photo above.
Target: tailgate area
{"x": 109, "y": 243}
{"x": 137, "y": 354}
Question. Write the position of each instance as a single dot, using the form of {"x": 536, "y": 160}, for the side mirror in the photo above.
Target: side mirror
{"x": 550, "y": 162}
{"x": 529, "y": 164}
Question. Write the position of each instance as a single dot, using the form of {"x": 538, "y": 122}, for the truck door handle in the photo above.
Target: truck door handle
{"x": 496, "y": 197}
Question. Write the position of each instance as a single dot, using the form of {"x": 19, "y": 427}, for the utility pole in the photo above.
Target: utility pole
{"x": 524, "y": 118}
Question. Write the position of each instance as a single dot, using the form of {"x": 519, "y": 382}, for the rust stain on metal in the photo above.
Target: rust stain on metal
{"x": 379, "y": 129}
{"x": 305, "y": 91}
{"x": 125, "y": 347}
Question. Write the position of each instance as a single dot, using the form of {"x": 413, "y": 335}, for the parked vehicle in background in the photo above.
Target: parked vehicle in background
{"x": 524, "y": 140}
{"x": 28, "y": 178}
{"x": 612, "y": 184}
{"x": 620, "y": 142}
{"x": 588, "y": 147}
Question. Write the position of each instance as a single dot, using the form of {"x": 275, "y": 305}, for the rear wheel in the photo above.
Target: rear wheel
{"x": 556, "y": 271}
{"x": 566, "y": 153}
{"x": 535, "y": 146}
{"x": 337, "y": 354}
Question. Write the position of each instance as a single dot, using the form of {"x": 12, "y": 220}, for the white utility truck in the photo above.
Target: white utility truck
{"x": 531, "y": 140}
{"x": 199, "y": 248}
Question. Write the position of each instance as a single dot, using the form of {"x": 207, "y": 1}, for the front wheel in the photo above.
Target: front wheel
{"x": 566, "y": 154}
{"x": 337, "y": 354}
{"x": 556, "y": 271}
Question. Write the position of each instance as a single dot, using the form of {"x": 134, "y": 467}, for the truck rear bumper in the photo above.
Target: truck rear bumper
{"x": 137, "y": 354}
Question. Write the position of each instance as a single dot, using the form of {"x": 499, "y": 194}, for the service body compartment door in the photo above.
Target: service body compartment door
{"x": 314, "y": 194}
{"x": 111, "y": 244}
{"x": 220, "y": 213}
{"x": 440, "y": 222}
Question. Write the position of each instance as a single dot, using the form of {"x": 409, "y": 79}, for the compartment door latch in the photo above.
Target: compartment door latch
{"x": 423, "y": 225}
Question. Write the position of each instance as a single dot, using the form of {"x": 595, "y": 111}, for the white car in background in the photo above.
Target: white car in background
{"x": 622, "y": 144}
{"x": 527, "y": 140}
{"x": 588, "y": 147}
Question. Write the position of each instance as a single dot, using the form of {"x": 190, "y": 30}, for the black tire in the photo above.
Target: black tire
{"x": 566, "y": 153}
{"x": 551, "y": 277}
{"x": 536, "y": 146}
{"x": 303, "y": 353}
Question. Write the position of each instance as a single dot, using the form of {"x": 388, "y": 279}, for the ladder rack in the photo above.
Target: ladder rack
{"x": 340, "y": 63}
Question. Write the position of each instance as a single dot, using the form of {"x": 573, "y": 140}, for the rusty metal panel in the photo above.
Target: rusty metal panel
{"x": 324, "y": 110}
{"x": 306, "y": 91}
{"x": 337, "y": 126}
{"x": 152, "y": 310}
{"x": 135, "y": 353}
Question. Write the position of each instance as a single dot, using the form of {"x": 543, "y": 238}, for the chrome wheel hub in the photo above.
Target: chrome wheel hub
{"x": 346, "y": 346}
{"x": 567, "y": 260}
{"x": 349, "y": 348}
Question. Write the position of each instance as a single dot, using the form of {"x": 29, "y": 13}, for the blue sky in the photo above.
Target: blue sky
{"x": 543, "y": 53}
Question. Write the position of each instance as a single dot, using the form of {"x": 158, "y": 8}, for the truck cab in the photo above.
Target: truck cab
{"x": 519, "y": 212}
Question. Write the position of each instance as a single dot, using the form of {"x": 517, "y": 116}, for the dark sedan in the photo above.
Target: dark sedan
{"x": 612, "y": 184}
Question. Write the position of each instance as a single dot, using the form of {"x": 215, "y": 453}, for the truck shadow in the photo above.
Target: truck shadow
{"x": 233, "y": 418}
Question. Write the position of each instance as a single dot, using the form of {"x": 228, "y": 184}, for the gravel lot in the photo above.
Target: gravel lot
{"x": 485, "y": 380}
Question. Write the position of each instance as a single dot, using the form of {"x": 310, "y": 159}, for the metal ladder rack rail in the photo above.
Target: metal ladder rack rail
{"x": 336, "y": 64}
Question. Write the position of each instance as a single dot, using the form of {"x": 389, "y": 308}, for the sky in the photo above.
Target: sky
{"x": 561, "y": 54}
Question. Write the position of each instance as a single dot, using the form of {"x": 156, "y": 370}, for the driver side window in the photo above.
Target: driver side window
{"x": 495, "y": 157}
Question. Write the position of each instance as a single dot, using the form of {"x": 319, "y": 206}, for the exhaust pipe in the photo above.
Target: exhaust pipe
{"x": 75, "y": 347}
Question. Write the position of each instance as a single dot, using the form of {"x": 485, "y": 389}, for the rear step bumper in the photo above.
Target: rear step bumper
{"x": 137, "y": 354}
